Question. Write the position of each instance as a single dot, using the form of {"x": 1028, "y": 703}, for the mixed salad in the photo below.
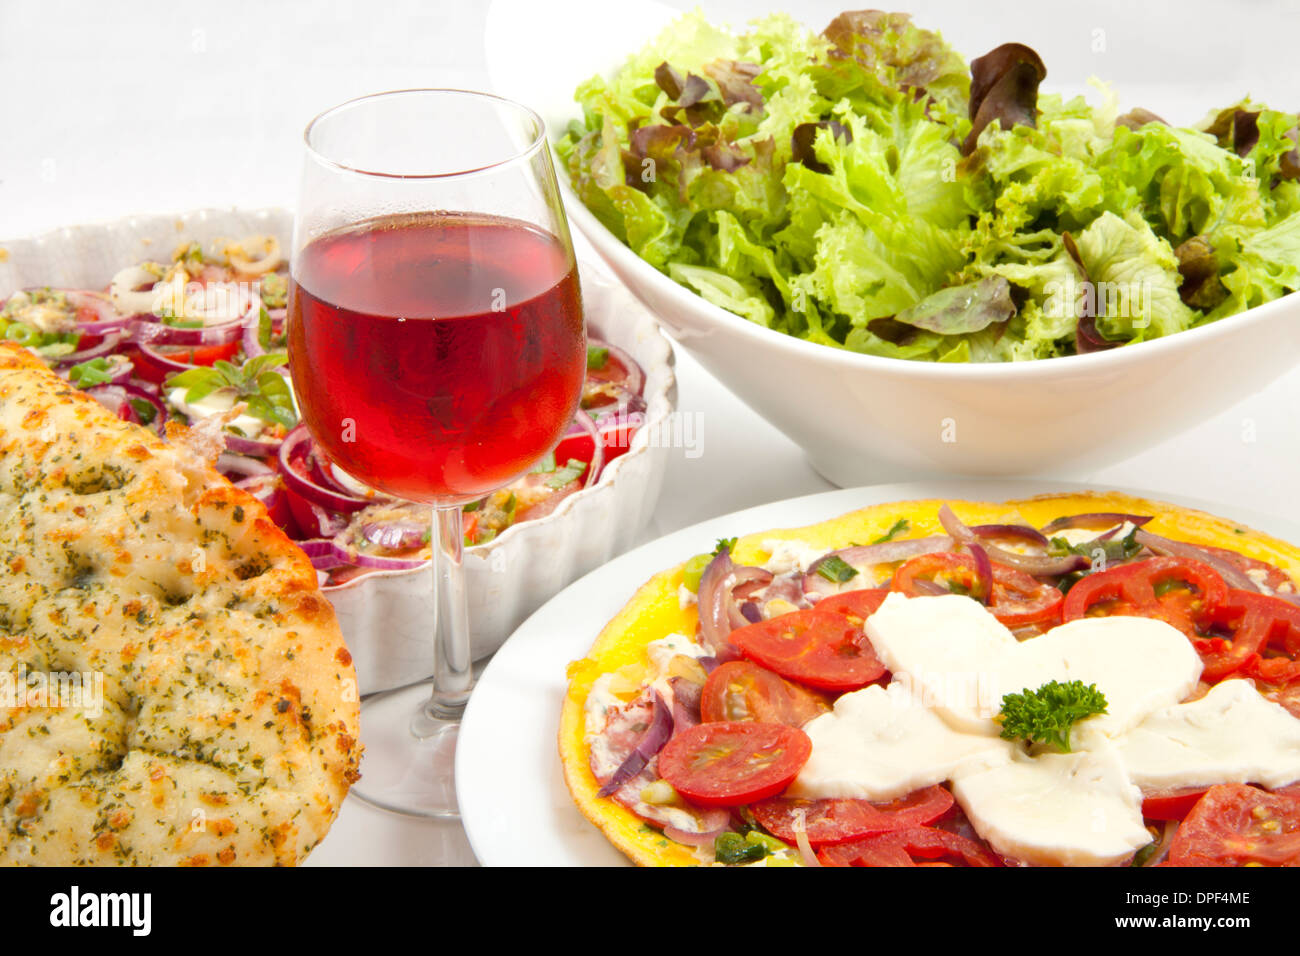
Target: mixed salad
{"x": 864, "y": 188}
{"x": 200, "y": 340}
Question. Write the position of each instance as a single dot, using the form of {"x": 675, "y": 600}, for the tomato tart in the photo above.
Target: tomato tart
{"x": 1076, "y": 680}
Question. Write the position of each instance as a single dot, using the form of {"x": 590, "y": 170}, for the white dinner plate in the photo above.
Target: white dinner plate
{"x": 514, "y": 804}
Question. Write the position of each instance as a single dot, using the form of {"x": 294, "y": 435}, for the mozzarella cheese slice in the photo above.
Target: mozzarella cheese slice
{"x": 1075, "y": 809}
{"x": 948, "y": 650}
{"x": 1231, "y": 735}
{"x": 1139, "y": 664}
{"x": 952, "y": 663}
{"x": 879, "y": 744}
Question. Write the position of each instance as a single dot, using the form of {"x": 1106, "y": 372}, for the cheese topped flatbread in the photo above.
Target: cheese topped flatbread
{"x": 175, "y": 687}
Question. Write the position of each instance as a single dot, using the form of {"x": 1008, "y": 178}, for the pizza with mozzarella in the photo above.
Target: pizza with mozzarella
{"x": 1067, "y": 680}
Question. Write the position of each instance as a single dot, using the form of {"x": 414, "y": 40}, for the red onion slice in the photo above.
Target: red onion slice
{"x": 322, "y": 553}
{"x": 256, "y": 447}
{"x": 635, "y": 382}
{"x": 295, "y": 448}
{"x": 149, "y": 329}
{"x": 720, "y": 613}
{"x": 585, "y": 424}
{"x": 1232, "y": 575}
{"x": 112, "y": 339}
{"x": 1095, "y": 520}
{"x": 168, "y": 364}
{"x": 864, "y": 556}
{"x": 1037, "y": 565}
{"x": 650, "y": 743}
{"x": 983, "y": 573}
{"x": 705, "y": 837}
{"x": 686, "y": 702}
{"x": 107, "y": 318}
{"x": 1019, "y": 532}
{"x": 234, "y": 464}
{"x": 117, "y": 399}
{"x": 265, "y": 488}
{"x": 396, "y": 535}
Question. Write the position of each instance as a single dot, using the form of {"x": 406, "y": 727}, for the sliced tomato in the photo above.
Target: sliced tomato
{"x": 1234, "y": 825}
{"x": 732, "y": 763}
{"x": 906, "y": 847}
{"x": 828, "y": 822}
{"x": 1189, "y": 592}
{"x": 607, "y": 384}
{"x": 817, "y": 648}
{"x": 616, "y": 430}
{"x": 855, "y": 606}
{"x": 1252, "y": 623}
{"x": 1274, "y": 577}
{"x": 149, "y": 370}
{"x": 741, "y": 690}
{"x": 469, "y": 525}
{"x": 1270, "y": 670}
{"x": 1171, "y": 804}
{"x": 1018, "y": 599}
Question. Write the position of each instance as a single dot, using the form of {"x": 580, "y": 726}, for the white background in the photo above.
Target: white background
{"x": 156, "y": 106}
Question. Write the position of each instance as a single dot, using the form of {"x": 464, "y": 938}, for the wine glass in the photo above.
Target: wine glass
{"x": 437, "y": 349}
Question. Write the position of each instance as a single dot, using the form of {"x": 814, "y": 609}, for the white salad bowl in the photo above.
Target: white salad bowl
{"x": 863, "y": 419}
{"x": 387, "y": 616}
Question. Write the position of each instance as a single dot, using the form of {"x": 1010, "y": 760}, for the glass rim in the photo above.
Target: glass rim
{"x": 538, "y": 140}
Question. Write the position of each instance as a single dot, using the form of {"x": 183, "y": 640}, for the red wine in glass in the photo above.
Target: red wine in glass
{"x": 437, "y": 356}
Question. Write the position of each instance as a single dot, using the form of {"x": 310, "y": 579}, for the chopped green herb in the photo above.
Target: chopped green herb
{"x": 725, "y": 544}
{"x": 1047, "y": 714}
{"x": 835, "y": 568}
{"x": 898, "y": 528}
{"x": 732, "y": 848}
{"x": 571, "y": 471}
{"x": 144, "y": 409}
{"x": 1140, "y": 858}
{"x": 1114, "y": 549}
{"x": 274, "y": 290}
{"x": 1161, "y": 588}
{"x": 97, "y": 371}
{"x": 596, "y": 357}
{"x": 694, "y": 570}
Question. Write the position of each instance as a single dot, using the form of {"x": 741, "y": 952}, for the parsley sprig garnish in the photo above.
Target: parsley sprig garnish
{"x": 1047, "y": 714}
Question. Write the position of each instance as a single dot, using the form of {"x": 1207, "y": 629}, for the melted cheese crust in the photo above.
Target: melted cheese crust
{"x": 229, "y": 720}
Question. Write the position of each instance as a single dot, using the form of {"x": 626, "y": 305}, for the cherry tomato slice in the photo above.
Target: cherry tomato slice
{"x": 732, "y": 763}
{"x": 906, "y": 847}
{"x": 1130, "y": 589}
{"x": 1018, "y": 599}
{"x": 1234, "y": 824}
{"x": 1274, "y": 578}
{"x": 856, "y": 606}
{"x": 1253, "y": 622}
{"x": 1171, "y": 804}
{"x": 818, "y": 648}
{"x": 828, "y": 822}
{"x": 149, "y": 370}
{"x": 740, "y": 690}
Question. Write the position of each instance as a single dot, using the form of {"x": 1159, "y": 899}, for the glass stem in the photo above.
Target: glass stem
{"x": 452, "y": 673}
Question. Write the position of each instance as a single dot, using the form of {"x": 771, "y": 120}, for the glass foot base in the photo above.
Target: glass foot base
{"x": 409, "y": 757}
